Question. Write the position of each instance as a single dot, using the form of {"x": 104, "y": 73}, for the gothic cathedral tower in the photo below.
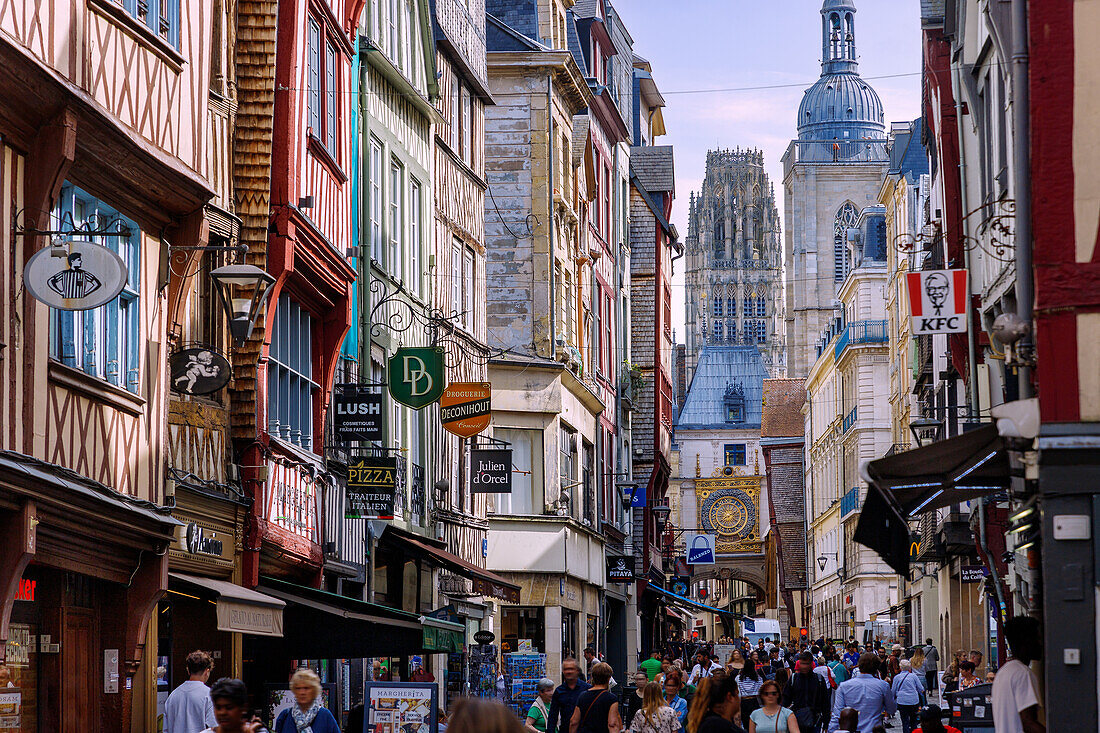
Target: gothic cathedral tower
{"x": 733, "y": 292}
{"x": 830, "y": 173}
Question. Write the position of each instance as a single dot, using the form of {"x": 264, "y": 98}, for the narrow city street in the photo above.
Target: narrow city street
{"x": 549, "y": 366}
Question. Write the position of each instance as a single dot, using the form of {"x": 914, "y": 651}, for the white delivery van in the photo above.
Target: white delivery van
{"x": 765, "y": 628}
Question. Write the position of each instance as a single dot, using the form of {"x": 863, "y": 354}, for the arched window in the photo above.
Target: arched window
{"x": 717, "y": 307}
{"x": 731, "y": 307}
{"x": 717, "y": 331}
{"x": 850, "y": 37}
{"x": 731, "y": 331}
{"x": 845, "y": 218}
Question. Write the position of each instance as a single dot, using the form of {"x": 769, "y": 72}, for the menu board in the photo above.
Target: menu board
{"x": 401, "y": 707}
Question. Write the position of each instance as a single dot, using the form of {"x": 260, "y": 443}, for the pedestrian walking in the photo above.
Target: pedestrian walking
{"x": 564, "y": 699}
{"x": 736, "y": 662}
{"x": 1015, "y": 689}
{"x": 749, "y": 682}
{"x": 597, "y": 710}
{"x": 908, "y": 692}
{"x": 807, "y": 695}
{"x": 652, "y": 665}
{"x": 656, "y": 715}
{"x": 308, "y": 713}
{"x": 870, "y": 696}
{"x": 539, "y": 713}
{"x": 471, "y": 715}
{"x": 716, "y": 706}
{"x": 704, "y": 667}
{"x": 771, "y": 715}
{"x": 189, "y": 708}
{"x": 931, "y": 721}
{"x": 674, "y": 698}
{"x": 230, "y": 700}
{"x": 849, "y": 720}
{"x": 931, "y": 667}
{"x": 633, "y": 701}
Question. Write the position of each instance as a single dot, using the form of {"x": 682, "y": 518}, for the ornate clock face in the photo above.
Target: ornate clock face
{"x": 730, "y": 515}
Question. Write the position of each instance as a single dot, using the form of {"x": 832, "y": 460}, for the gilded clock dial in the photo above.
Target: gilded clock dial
{"x": 730, "y": 516}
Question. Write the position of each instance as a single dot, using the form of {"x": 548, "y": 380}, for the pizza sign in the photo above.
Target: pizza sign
{"x": 937, "y": 301}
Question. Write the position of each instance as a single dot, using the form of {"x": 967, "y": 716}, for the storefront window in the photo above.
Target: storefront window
{"x": 521, "y": 625}
{"x": 569, "y": 630}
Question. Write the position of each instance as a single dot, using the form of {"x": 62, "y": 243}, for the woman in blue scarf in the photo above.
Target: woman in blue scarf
{"x": 308, "y": 714}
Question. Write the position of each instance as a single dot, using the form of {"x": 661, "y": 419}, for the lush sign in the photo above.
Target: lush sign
{"x": 357, "y": 413}
{"x": 371, "y": 485}
{"x": 491, "y": 471}
{"x": 416, "y": 375}
{"x": 465, "y": 408}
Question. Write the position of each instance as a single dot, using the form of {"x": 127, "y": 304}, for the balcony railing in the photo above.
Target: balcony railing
{"x": 862, "y": 151}
{"x": 849, "y": 502}
{"x": 860, "y": 332}
{"x": 740, "y": 264}
{"x": 849, "y": 420}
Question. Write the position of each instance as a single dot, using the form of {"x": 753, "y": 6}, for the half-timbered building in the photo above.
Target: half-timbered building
{"x": 109, "y": 132}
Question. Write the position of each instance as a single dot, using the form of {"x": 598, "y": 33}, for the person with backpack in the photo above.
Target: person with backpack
{"x": 807, "y": 695}
{"x": 909, "y": 694}
{"x": 840, "y": 672}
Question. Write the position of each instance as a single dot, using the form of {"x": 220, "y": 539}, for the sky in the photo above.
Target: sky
{"x": 733, "y": 44}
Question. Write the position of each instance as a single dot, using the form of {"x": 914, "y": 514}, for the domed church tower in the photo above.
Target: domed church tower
{"x": 830, "y": 173}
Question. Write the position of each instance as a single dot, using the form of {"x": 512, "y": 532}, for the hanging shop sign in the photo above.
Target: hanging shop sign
{"x": 485, "y": 637}
{"x": 465, "y": 408}
{"x": 198, "y": 370}
{"x": 357, "y": 413}
{"x": 680, "y": 587}
{"x": 937, "y": 301}
{"x": 619, "y": 570}
{"x": 416, "y": 375}
{"x": 75, "y": 276}
{"x": 973, "y": 573}
{"x": 700, "y": 549}
{"x": 372, "y": 482}
{"x": 491, "y": 471}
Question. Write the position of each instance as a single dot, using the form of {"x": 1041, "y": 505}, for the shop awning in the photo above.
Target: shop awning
{"x": 323, "y": 625}
{"x": 485, "y": 582}
{"x": 943, "y": 473}
{"x": 443, "y": 636}
{"x": 918, "y": 481}
{"x": 239, "y": 609}
{"x": 688, "y": 603}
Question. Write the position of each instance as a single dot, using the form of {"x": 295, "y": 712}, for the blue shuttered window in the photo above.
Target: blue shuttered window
{"x": 290, "y": 387}
{"x": 104, "y": 341}
{"x": 161, "y": 16}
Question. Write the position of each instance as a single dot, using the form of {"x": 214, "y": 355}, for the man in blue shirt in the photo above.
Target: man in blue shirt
{"x": 565, "y": 697}
{"x": 870, "y": 696}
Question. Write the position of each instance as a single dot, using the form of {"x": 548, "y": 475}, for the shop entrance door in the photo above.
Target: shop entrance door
{"x": 80, "y": 672}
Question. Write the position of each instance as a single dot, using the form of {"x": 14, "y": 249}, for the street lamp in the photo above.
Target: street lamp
{"x": 660, "y": 513}
{"x": 924, "y": 424}
{"x": 242, "y": 290}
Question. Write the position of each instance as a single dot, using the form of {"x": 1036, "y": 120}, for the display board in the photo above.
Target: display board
{"x": 401, "y": 707}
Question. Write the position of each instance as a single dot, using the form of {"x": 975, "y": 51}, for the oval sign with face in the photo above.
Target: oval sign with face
{"x": 198, "y": 370}
{"x": 76, "y": 276}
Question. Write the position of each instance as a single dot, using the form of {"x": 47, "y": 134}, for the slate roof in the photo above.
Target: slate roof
{"x": 720, "y": 366}
{"x": 499, "y": 36}
{"x": 519, "y": 15}
{"x": 654, "y": 166}
{"x": 581, "y": 123}
{"x": 782, "y": 413}
{"x": 586, "y": 8}
{"x": 908, "y": 157}
{"x": 574, "y": 41}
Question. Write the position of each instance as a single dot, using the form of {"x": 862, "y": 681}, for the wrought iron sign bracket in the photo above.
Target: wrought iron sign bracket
{"x": 112, "y": 227}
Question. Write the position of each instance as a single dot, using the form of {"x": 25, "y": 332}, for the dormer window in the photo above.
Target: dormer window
{"x": 734, "y": 402}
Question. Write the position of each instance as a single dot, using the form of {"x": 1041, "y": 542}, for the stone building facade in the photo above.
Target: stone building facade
{"x": 733, "y": 292}
{"x": 830, "y": 173}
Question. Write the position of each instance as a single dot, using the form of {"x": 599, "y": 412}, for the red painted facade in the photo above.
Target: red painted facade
{"x": 307, "y": 248}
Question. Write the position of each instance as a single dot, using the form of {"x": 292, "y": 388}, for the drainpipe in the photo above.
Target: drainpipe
{"x": 1001, "y": 607}
{"x": 550, "y": 220}
{"x": 1021, "y": 157}
{"x": 971, "y": 337}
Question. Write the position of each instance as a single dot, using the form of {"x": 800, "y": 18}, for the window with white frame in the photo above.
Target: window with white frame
{"x": 407, "y": 39}
{"x": 393, "y": 28}
{"x": 395, "y": 264}
{"x": 567, "y": 466}
{"x": 376, "y": 200}
{"x": 414, "y": 236}
{"x": 291, "y": 389}
{"x": 468, "y": 302}
{"x": 456, "y": 280}
{"x": 526, "y": 496}
{"x": 103, "y": 341}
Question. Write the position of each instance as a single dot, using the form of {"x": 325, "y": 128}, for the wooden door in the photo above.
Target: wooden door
{"x": 81, "y": 673}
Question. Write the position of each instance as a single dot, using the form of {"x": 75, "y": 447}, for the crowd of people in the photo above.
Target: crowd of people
{"x": 770, "y": 688}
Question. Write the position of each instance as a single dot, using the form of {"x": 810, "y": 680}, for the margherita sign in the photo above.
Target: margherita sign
{"x": 464, "y": 408}
{"x": 937, "y": 301}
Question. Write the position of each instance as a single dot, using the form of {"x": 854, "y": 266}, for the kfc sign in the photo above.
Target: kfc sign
{"x": 937, "y": 301}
